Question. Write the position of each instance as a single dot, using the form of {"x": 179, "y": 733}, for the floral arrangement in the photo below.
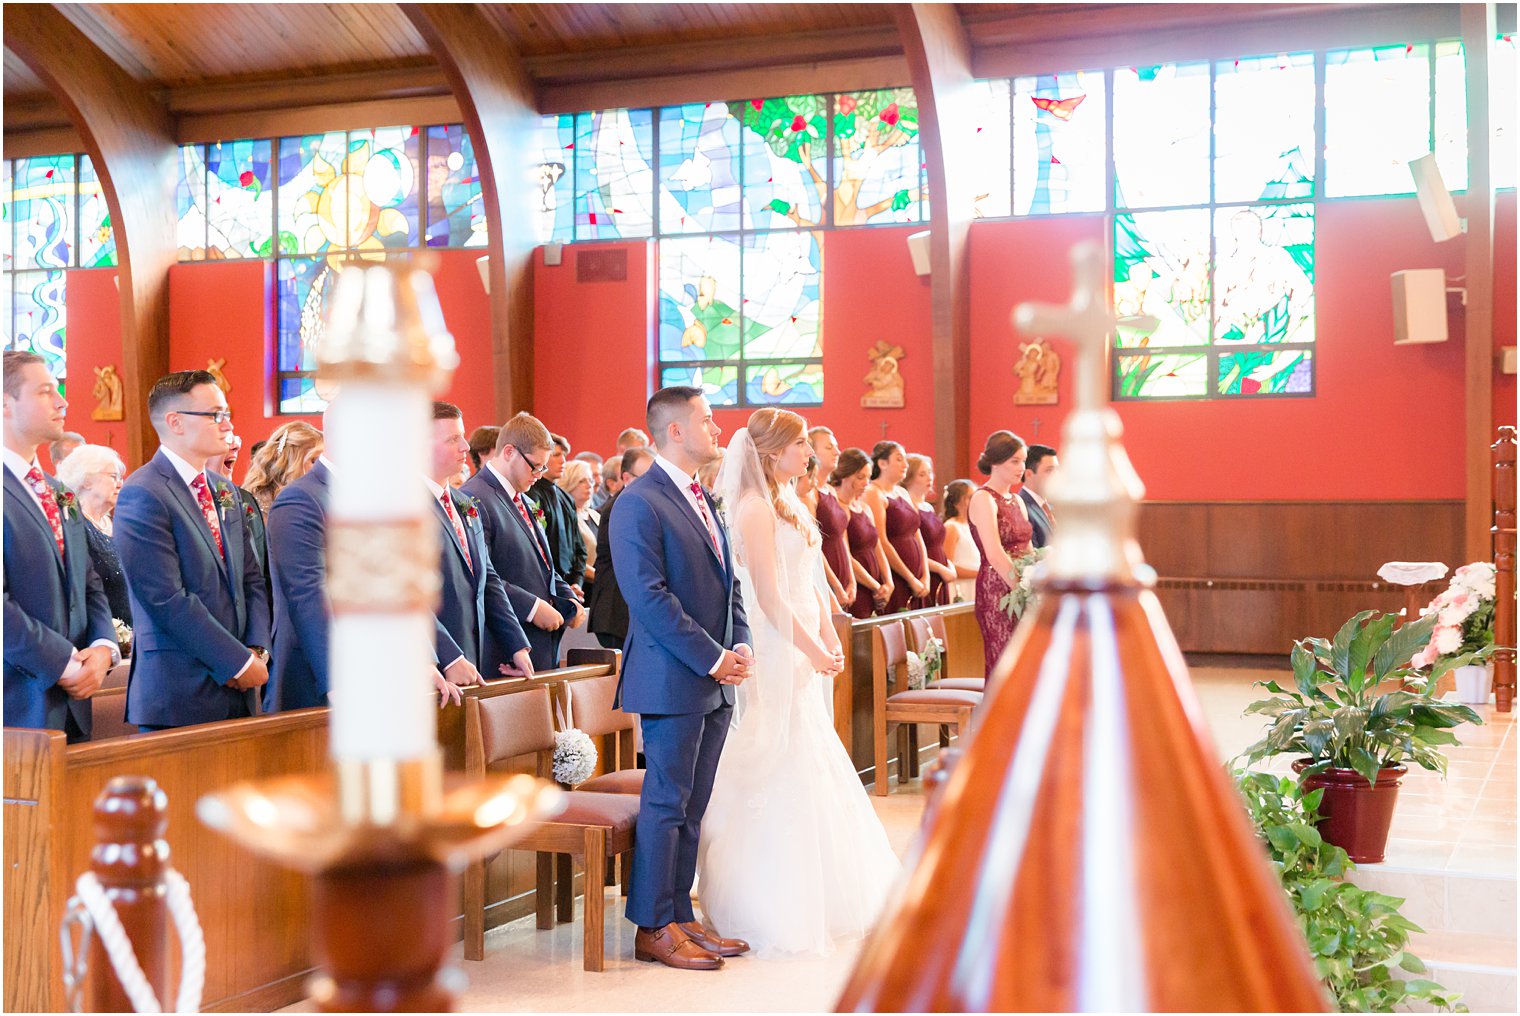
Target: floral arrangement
{"x": 915, "y": 671}
{"x": 472, "y": 509}
{"x": 1464, "y": 615}
{"x": 1017, "y": 600}
{"x": 123, "y": 635}
{"x": 225, "y": 499}
{"x": 922, "y": 668}
{"x": 574, "y": 757}
{"x": 68, "y": 504}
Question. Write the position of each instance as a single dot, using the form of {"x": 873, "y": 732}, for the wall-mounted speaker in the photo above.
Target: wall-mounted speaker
{"x": 1435, "y": 200}
{"x": 918, "y": 250}
{"x": 1419, "y": 306}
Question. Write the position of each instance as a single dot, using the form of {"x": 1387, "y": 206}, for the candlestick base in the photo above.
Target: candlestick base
{"x": 384, "y": 893}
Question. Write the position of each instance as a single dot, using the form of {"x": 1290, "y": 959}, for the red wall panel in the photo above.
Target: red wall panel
{"x": 93, "y": 317}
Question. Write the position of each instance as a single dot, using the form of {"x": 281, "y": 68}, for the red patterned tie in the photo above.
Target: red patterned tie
{"x": 517, "y": 500}
{"x": 696, "y": 492}
{"x": 203, "y": 498}
{"x": 49, "y": 504}
{"x": 448, "y": 509}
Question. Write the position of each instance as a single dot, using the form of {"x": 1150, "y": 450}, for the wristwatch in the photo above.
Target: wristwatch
{"x": 260, "y": 652}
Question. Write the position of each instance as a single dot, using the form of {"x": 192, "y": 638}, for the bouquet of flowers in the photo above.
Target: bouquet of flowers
{"x": 574, "y": 757}
{"x": 123, "y": 635}
{"x": 1464, "y": 616}
{"x": 922, "y": 668}
{"x": 1017, "y": 600}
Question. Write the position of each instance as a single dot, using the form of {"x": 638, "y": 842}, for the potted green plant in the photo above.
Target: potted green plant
{"x": 1356, "y": 728}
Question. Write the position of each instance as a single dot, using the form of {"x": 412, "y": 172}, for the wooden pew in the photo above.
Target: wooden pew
{"x": 254, "y": 913}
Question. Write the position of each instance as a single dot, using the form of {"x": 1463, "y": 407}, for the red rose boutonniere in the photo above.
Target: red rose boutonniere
{"x": 472, "y": 509}
{"x": 248, "y": 512}
{"x": 540, "y": 518}
{"x": 226, "y": 500}
{"x": 68, "y": 504}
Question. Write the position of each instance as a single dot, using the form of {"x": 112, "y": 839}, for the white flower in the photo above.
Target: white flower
{"x": 1478, "y": 577}
{"x": 574, "y": 756}
{"x": 1453, "y": 614}
{"x": 915, "y": 671}
{"x": 1447, "y": 640}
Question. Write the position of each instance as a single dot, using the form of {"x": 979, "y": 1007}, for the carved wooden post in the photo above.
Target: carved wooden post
{"x": 1503, "y": 531}
{"x": 129, "y": 858}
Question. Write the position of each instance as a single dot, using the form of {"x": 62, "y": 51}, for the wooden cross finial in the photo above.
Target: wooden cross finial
{"x": 1086, "y": 320}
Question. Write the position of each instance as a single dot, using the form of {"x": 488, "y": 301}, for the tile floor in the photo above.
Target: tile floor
{"x": 1467, "y": 825}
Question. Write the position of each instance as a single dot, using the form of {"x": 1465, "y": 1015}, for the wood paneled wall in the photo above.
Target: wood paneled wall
{"x": 1250, "y": 577}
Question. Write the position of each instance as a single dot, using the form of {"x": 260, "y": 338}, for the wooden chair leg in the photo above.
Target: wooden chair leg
{"x": 596, "y": 902}
{"x": 627, "y": 866}
{"x": 564, "y": 888}
{"x": 913, "y": 750}
{"x": 902, "y": 752}
{"x": 611, "y": 878}
{"x": 882, "y": 785}
{"x": 944, "y": 735}
{"x": 543, "y": 896}
{"x": 475, "y": 911}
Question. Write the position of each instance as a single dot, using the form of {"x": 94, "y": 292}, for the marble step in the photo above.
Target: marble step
{"x": 1461, "y": 903}
{"x": 1481, "y": 967}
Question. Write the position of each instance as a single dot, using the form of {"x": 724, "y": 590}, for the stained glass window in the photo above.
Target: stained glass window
{"x": 1377, "y": 118}
{"x": 553, "y": 171}
{"x": 1264, "y": 274}
{"x": 877, "y": 166}
{"x": 991, "y": 150}
{"x": 785, "y": 176}
{"x": 1161, "y": 135}
{"x": 699, "y": 169}
{"x": 1059, "y": 150}
{"x": 190, "y": 203}
{"x": 1451, "y": 115}
{"x": 614, "y": 174}
{"x": 1264, "y": 128}
{"x": 97, "y": 240}
{"x": 1161, "y": 278}
{"x": 456, "y": 214}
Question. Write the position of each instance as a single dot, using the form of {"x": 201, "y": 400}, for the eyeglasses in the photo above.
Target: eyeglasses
{"x": 217, "y": 416}
{"x": 538, "y": 469}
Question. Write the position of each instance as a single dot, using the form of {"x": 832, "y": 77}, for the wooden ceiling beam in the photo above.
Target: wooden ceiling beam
{"x": 29, "y": 144}
{"x": 495, "y": 97}
{"x": 939, "y": 60}
{"x": 130, "y": 139}
{"x": 424, "y": 78}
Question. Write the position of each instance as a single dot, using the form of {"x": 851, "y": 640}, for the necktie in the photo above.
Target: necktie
{"x": 712, "y": 531}
{"x": 49, "y": 504}
{"x": 208, "y": 510}
{"x": 532, "y": 528}
{"x": 448, "y": 509}
{"x": 1050, "y": 514}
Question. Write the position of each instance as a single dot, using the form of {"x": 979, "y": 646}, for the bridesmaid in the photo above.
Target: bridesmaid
{"x": 964, "y": 558}
{"x": 1002, "y": 532}
{"x": 872, "y": 582}
{"x": 833, "y": 518}
{"x": 896, "y": 518}
{"x": 919, "y": 483}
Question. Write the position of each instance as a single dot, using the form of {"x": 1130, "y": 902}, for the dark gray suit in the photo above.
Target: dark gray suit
{"x": 1043, "y": 527}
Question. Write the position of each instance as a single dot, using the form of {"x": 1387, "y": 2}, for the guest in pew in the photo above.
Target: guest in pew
{"x": 63, "y": 447}
{"x": 59, "y": 641}
{"x": 567, "y": 551}
{"x": 482, "y": 447}
{"x": 1002, "y": 533}
{"x": 896, "y": 518}
{"x": 1037, "y": 469}
{"x": 253, "y": 513}
{"x": 198, "y": 595}
{"x": 474, "y": 601}
{"x": 517, "y": 545}
{"x": 960, "y": 550}
{"x": 609, "y": 611}
{"x": 577, "y": 481}
{"x": 290, "y": 451}
{"x": 298, "y": 539}
{"x": 919, "y": 483}
{"x": 95, "y": 473}
{"x": 229, "y": 461}
{"x": 873, "y": 583}
{"x": 833, "y": 519}
{"x": 609, "y": 484}
{"x": 632, "y": 438}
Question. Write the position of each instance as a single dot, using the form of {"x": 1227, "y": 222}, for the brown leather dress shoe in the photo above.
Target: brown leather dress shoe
{"x": 713, "y": 942}
{"x": 672, "y": 946}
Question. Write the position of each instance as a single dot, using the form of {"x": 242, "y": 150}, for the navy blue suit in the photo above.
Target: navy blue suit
{"x": 196, "y": 611}
{"x": 474, "y": 601}
{"x": 684, "y": 610}
{"x": 1037, "y": 518}
{"x": 520, "y": 554}
{"x": 52, "y": 607}
{"x": 297, "y": 540}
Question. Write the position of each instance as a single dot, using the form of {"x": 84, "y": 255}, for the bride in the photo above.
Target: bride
{"x": 792, "y": 858}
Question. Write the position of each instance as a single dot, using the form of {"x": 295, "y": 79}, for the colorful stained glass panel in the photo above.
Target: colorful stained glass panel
{"x": 39, "y": 316}
{"x": 1161, "y": 135}
{"x": 783, "y": 141}
{"x": 299, "y": 395}
{"x": 553, "y": 168}
{"x": 614, "y": 174}
{"x": 877, "y": 164}
{"x": 1161, "y": 278}
{"x": 782, "y": 308}
{"x": 1267, "y": 372}
{"x": 784, "y": 384}
{"x": 240, "y": 199}
{"x": 314, "y": 193}
{"x": 1160, "y": 375}
{"x": 1264, "y": 128}
{"x": 720, "y": 384}
{"x": 301, "y": 292}
{"x": 699, "y": 168}
{"x": 991, "y": 148}
{"x": 456, "y": 215}
{"x": 1264, "y": 274}
{"x": 1377, "y": 118}
{"x": 699, "y": 298}
{"x": 1059, "y": 151}
{"x": 384, "y": 175}
{"x": 44, "y": 212}
{"x": 97, "y": 240}
{"x": 190, "y": 203}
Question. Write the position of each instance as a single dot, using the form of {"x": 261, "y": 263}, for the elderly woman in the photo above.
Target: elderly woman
{"x": 95, "y": 474}
{"x": 287, "y": 455}
{"x": 577, "y": 481}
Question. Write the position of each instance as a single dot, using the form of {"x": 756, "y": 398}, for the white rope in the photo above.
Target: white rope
{"x": 124, "y": 960}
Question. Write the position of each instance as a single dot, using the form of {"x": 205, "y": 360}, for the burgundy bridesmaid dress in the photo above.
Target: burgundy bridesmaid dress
{"x": 933, "y": 529}
{"x": 1014, "y": 532}
{"x": 902, "y": 529}
{"x": 863, "y": 548}
{"x": 833, "y": 521}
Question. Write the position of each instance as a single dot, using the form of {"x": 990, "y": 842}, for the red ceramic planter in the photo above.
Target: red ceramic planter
{"x": 1355, "y": 815}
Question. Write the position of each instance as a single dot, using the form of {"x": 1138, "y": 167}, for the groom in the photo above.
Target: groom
{"x": 686, "y": 650}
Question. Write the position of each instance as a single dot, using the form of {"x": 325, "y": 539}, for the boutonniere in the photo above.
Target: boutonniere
{"x": 717, "y": 503}
{"x": 248, "y": 512}
{"x": 68, "y": 504}
{"x": 225, "y": 499}
{"x": 540, "y": 518}
{"x": 471, "y": 509}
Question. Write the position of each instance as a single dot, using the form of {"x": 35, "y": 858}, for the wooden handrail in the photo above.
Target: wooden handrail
{"x": 1503, "y": 535}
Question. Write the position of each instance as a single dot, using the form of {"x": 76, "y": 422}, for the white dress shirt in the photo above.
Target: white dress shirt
{"x": 514, "y": 494}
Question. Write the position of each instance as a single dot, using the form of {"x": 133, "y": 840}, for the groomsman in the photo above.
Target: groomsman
{"x": 609, "y": 611}
{"x": 198, "y": 596}
{"x": 1042, "y": 462}
{"x": 516, "y": 544}
{"x": 474, "y": 602}
{"x": 59, "y": 641}
{"x": 297, "y": 534}
{"x": 567, "y": 551}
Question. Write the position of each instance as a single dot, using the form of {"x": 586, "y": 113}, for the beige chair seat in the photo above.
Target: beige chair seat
{"x": 617, "y": 812}
{"x": 935, "y": 697}
{"x": 622, "y": 781}
{"x": 976, "y": 684}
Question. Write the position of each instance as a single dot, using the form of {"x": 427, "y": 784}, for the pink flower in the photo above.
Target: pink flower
{"x": 1447, "y": 640}
{"x": 1425, "y": 657}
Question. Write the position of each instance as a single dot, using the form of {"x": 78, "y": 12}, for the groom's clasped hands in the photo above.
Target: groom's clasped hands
{"x": 736, "y": 665}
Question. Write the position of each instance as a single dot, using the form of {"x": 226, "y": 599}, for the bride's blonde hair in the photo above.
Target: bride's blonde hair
{"x": 771, "y": 431}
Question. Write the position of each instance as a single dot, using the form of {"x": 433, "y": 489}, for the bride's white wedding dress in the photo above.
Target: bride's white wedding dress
{"x": 792, "y": 857}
